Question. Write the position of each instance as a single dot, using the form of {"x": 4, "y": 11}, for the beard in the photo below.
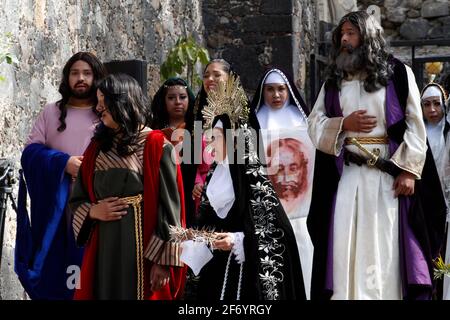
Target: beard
{"x": 88, "y": 93}
{"x": 287, "y": 190}
{"x": 351, "y": 60}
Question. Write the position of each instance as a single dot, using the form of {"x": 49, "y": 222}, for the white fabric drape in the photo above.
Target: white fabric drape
{"x": 366, "y": 261}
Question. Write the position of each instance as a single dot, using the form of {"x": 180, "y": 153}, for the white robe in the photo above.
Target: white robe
{"x": 446, "y": 186}
{"x": 366, "y": 263}
{"x": 285, "y": 119}
{"x": 446, "y": 293}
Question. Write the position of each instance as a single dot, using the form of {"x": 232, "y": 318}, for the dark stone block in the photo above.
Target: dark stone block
{"x": 244, "y": 61}
{"x": 414, "y": 29}
{"x": 253, "y": 38}
{"x": 276, "y": 7}
{"x": 282, "y": 23}
{"x": 444, "y": 20}
{"x": 241, "y": 10}
{"x": 210, "y": 21}
{"x": 282, "y": 52}
{"x": 233, "y": 27}
{"x": 433, "y": 9}
{"x": 439, "y": 32}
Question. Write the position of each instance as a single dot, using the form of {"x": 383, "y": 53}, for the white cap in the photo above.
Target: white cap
{"x": 219, "y": 124}
{"x": 274, "y": 77}
{"x": 432, "y": 91}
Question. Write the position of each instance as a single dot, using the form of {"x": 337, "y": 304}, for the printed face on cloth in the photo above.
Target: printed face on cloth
{"x": 288, "y": 168}
{"x": 289, "y": 151}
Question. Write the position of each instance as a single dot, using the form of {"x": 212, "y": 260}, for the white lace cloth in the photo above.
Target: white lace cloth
{"x": 237, "y": 239}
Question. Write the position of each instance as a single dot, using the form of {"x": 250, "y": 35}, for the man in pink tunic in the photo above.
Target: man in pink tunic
{"x": 46, "y": 254}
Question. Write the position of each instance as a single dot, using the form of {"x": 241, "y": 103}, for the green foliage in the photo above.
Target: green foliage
{"x": 440, "y": 268}
{"x": 6, "y": 43}
{"x": 181, "y": 61}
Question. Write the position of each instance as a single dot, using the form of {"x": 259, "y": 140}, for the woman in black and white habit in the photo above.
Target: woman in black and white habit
{"x": 434, "y": 112}
{"x": 255, "y": 256}
{"x": 278, "y": 110}
{"x": 437, "y": 124}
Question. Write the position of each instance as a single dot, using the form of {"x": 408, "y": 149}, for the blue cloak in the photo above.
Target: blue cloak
{"x": 46, "y": 256}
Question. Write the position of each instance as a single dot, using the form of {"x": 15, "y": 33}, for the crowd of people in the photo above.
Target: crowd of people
{"x": 272, "y": 199}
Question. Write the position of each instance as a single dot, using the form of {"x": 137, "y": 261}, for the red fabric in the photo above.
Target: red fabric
{"x": 86, "y": 290}
{"x": 168, "y": 133}
{"x": 152, "y": 157}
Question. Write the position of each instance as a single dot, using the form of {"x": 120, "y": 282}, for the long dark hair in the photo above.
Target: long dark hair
{"x": 99, "y": 72}
{"x": 373, "y": 51}
{"x": 129, "y": 109}
{"x": 200, "y": 100}
{"x": 159, "y": 108}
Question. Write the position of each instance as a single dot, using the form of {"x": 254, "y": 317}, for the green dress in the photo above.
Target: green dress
{"x": 119, "y": 266}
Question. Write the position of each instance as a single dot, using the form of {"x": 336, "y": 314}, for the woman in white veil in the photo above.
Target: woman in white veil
{"x": 437, "y": 121}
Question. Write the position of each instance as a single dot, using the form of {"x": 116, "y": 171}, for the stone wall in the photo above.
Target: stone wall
{"x": 413, "y": 19}
{"x": 47, "y": 33}
{"x": 253, "y": 35}
{"x": 304, "y": 37}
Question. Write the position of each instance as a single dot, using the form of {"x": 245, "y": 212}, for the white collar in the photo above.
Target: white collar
{"x": 220, "y": 190}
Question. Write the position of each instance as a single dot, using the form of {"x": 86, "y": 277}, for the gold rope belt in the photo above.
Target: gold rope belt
{"x": 368, "y": 140}
{"x": 135, "y": 201}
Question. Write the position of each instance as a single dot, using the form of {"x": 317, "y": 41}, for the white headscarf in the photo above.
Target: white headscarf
{"x": 435, "y": 133}
{"x": 287, "y": 117}
{"x": 431, "y": 91}
{"x": 220, "y": 191}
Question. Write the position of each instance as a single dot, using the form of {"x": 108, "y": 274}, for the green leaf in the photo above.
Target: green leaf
{"x": 191, "y": 53}
{"x": 181, "y": 56}
{"x": 2, "y": 78}
{"x": 197, "y": 80}
{"x": 179, "y": 69}
{"x": 163, "y": 72}
{"x": 9, "y": 59}
{"x": 181, "y": 59}
{"x": 203, "y": 55}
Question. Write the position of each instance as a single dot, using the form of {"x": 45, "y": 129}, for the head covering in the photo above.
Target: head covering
{"x": 434, "y": 89}
{"x": 219, "y": 124}
{"x": 431, "y": 91}
{"x": 291, "y": 114}
{"x": 436, "y": 133}
{"x": 274, "y": 77}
